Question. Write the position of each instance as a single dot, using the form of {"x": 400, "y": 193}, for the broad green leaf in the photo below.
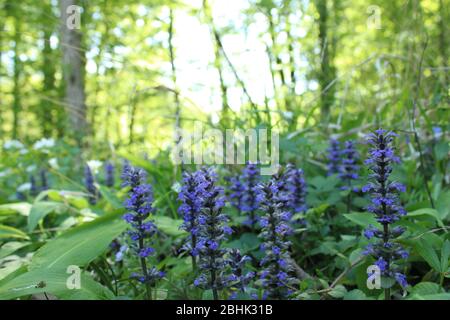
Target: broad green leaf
{"x": 427, "y": 212}
{"x": 363, "y": 219}
{"x": 445, "y": 255}
{"x": 40, "y": 210}
{"x": 443, "y": 204}
{"x": 436, "y": 296}
{"x": 427, "y": 252}
{"x": 425, "y": 288}
{"x": 355, "y": 294}
{"x": 11, "y": 263}
{"x": 7, "y": 232}
{"x": 338, "y": 292}
{"x": 169, "y": 226}
{"x": 74, "y": 198}
{"x": 53, "y": 282}
{"x": 79, "y": 245}
{"x": 11, "y": 247}
{"x": 247, "y": 242}
{"x": 22, "y": 208}
{"x": 355, "y": 255}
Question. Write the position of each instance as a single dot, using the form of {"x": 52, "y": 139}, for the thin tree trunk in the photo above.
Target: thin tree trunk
{"x": 221, "y": 49}
{"x": 174, "y": 76}
{"x": 17, "y": 104}
{"x": 326, "y": 74}
{"x": 443, "y": 40}
{"x": 73, "y": 64}
{"x": 49, "y": 88}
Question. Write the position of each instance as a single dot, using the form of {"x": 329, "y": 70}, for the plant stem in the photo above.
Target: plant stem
{"x": 213, "y": 284}
{"x": 387, "y": 291}
{"x": 144, "y": 271}
{"x": 194, "y": 244}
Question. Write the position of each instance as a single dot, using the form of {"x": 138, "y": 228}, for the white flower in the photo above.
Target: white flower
{"x": 176, "y": 187}
{"x": 94, "y": 165}
{"x": 13, "y": 144}
{"x": 31, "y": 168}
{"x": 5, "y": 173}
{"x": 288, "y": 114}
{"x": 53, "y": 162}
{"x": 24, "y": 187}
{"x": 44, "y": 143}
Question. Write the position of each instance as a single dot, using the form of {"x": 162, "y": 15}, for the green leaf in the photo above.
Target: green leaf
{"x": 40, "y": 210}
{"x": 22, "y": 208}
{"x": 355, "y": 255}
{"x": 53, "y": 282}
{"x": 427, "y": 212}
{"x": 79, "y": 245}
{"x": 74, "y": 198}
{"x": 338, "y": 292}
{"x": 445, "y": 255}
{"x": 10, "y": 232}
{"x": 436, "y": 296}
{"x": 443, "y": 204}
{"x": 110, "y": 197}
{"x": 355, "y": 294}
{"x": 427, "y": 252}
{"x": 169, "y": 226}
{"x": 247, "y": 242}
{"x": 425, "y": 288}
{"x": 363, "y": 219}
{"x": 11, "y": 247}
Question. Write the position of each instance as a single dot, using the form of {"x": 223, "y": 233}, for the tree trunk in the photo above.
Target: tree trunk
{"x": 17, "y": 104}
{"x": 443, "y": 40}
{"x": 327, "y": 72}
{"x": 47, "y": 106}
{"x": 73, "y": 59}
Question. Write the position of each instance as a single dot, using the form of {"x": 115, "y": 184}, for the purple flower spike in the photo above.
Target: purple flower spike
{"x": 212, "y": 231}
{"x": 385, "y": 206}
{"x": 275, "y": 229}
{"x": 349, "y": 168}
{"x": 139, "y": 205}
{"x": 334, "y": 157}
{"x": 246, "y": 193}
